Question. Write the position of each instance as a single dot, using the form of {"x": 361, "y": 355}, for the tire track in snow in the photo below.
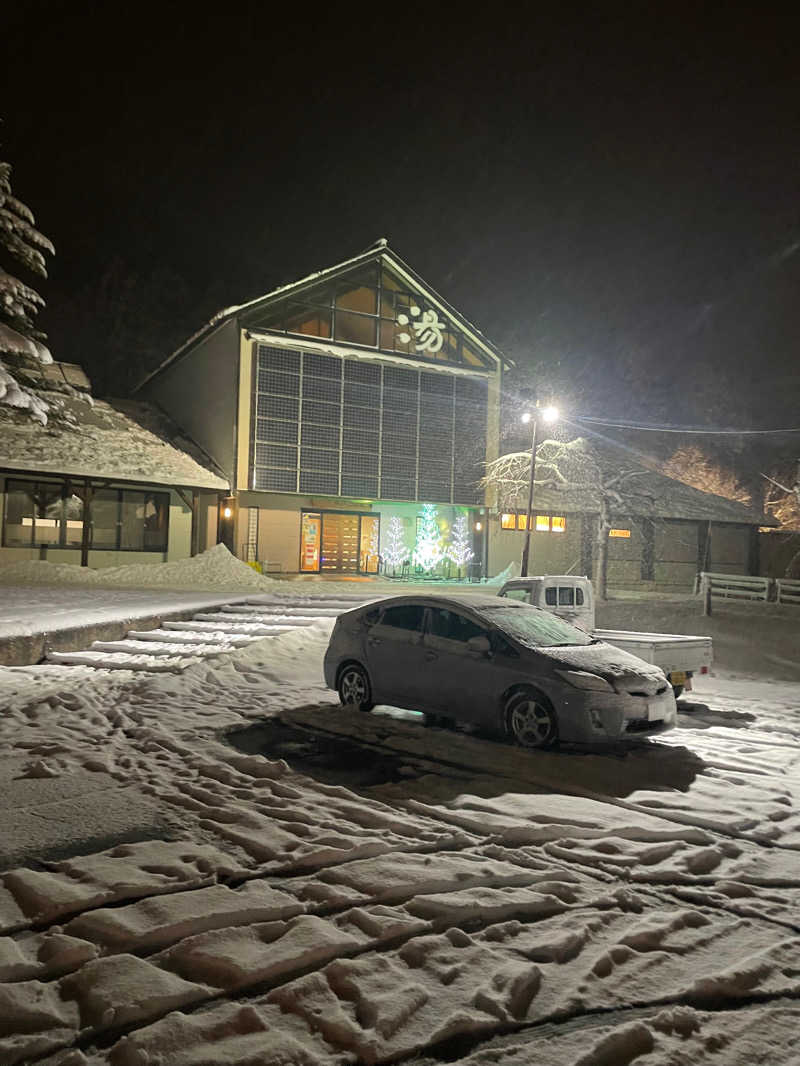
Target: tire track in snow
{"x": 454, "y": 907}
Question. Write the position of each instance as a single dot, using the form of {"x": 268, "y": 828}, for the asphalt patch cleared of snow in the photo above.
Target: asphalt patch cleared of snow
{"x": 328, "y": 759}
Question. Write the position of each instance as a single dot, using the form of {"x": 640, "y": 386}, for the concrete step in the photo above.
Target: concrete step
{"x": 224, "y": 620}
{"x": 189, "y": 636}
{"x": 151, "y": 647}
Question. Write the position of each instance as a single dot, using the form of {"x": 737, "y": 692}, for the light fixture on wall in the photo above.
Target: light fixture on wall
{"x": 227, "y": 506}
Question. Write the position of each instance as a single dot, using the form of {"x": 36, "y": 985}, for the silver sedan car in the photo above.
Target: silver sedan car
{"x": 497, "y": 664}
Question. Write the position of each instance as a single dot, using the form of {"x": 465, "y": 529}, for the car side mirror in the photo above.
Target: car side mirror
{"x": 479, "y": 645}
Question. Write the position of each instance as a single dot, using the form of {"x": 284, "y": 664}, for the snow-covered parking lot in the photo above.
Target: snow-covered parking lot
{"x": 221, "y": 865}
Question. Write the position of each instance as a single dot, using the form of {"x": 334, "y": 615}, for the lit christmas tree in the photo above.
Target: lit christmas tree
{"x": 458, "y": 549}
{"x": 394, "y": 548}
{"x": 428, "y": 549}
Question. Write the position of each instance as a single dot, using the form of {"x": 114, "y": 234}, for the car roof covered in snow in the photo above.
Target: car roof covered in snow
{"x": 479, "y": 602}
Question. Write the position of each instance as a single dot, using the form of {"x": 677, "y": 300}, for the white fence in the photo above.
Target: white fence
{"x": 736, "y": 586}
{"x": 739, "y": 587}
{"x": 787, "y": 591}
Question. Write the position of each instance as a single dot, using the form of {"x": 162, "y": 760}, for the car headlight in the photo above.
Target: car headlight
{"x": 584, "y": 680}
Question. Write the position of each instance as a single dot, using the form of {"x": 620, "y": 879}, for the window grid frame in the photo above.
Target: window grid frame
{"x": 459, "y": 425}
{"x": 65, "y": 485}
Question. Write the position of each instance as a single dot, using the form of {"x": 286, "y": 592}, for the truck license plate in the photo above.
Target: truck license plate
{"x": 654, "y": 712}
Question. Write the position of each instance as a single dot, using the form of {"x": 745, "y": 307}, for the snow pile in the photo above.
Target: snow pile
{"x": 504, "y": 575}
{"x": 213, "y": 569}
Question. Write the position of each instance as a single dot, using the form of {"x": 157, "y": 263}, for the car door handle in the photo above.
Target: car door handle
{"x": 431, "y": 655}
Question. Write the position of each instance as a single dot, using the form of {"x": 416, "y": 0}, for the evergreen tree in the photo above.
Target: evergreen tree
{"x": 22, "y": 347}
{"x": 394, "y": 549}
{"x": 459, "y": 549}
{"x": 428, "y": 549}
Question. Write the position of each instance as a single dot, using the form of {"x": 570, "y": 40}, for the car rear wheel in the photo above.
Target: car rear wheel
{"x": 530, "y": 720}
{"x": 354, "y": 687}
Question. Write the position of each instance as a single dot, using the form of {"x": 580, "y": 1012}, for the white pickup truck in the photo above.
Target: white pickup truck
{"x": 572, "y": 599}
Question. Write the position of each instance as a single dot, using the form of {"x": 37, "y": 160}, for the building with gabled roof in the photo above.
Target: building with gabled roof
{"x": 334, "y": 403}
{"x": 664, "y": 531}
{"x": 103, "y": 482}
{"x": 356, "y": 395}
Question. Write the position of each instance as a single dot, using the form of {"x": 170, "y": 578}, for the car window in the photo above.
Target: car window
{"x": 500, "y": 645}
{"x": 404, "y": 616}
{"x": 566, "y": 597}
{"x": 534, "y": 627}
{"x": 579, "y": 597}
{"x": 454, "y": 626}
{"x": 517, "y": 594}
{"x": 550, "y": 597}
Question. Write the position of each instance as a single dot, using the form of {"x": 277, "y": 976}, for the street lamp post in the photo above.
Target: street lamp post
{"x": 547, "y": 414}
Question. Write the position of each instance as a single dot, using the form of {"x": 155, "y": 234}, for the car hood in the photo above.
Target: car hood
{"x": 610, "y": 663}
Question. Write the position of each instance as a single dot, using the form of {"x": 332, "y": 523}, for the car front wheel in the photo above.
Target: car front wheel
{"x": 354, "y": 688}
{"x": 530, "y": 720}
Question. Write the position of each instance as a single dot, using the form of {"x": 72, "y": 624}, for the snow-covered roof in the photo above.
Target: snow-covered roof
{"x": 113, "y": 440}
{"x": 379, "y": 249}
{"x": 650, "y": 494}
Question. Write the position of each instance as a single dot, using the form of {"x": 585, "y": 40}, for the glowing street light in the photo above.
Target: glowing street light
{"x": 547, "y": 415}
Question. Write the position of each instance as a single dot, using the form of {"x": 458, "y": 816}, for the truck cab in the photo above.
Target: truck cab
{"x": 569, "y": 596}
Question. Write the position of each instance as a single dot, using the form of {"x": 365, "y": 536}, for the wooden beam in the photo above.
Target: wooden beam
{"x": 87, "y": 522}
{"x": 193, "y": 503}
{"x": 195, "y": 536}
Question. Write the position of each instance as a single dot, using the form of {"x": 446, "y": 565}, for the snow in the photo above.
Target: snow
{"x": 99, "y": 439}
{"x": 442, "y": 896}
{"x": 215, "y": 568}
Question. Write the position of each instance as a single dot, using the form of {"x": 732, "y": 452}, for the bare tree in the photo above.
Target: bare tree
{"x": 577, "y": 470}
{"x": 783, "y": 502}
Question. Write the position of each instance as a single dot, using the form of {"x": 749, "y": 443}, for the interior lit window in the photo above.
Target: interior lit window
{"x": 558, "y": 524}
{"x": 522, "y": 521}
{"x": 508, "y": 521}
{"x": 625, "y": 533}
{"x": 542, "y": 523}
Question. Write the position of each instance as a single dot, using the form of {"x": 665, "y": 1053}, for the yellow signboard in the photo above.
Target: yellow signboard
{"x": 619, "y": 533}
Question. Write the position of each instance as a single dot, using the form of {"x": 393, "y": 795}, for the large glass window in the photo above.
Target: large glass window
{"x": 372, "y": 307}
{"x": 130, "y": 520}
{"x": 345, "y": 427}
{"x": 50, "y": 514}
{"x": 42, "y": 514}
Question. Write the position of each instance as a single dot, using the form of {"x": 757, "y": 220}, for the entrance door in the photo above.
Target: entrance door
{"x": 339, "y": 543}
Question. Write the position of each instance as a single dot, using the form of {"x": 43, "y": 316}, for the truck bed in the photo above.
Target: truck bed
{"x": 670, "y": 651}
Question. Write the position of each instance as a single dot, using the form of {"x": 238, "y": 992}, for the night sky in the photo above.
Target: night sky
{"x": 614, "y": 202}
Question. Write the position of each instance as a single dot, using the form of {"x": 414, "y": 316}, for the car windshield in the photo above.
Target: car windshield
{"x": 535, "y": 628}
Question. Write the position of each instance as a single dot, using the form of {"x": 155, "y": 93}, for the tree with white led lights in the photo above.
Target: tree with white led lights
{"x": 428, "y": 549}
{"x": 394, "y": 548}
{"x": 459, "y": 549}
